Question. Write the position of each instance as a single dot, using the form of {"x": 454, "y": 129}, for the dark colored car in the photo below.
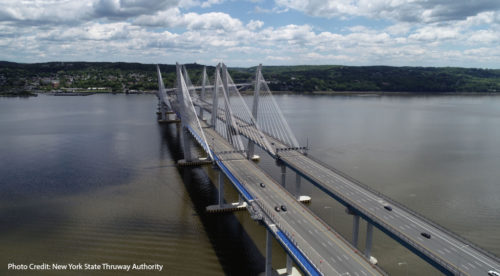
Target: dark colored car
{"x": 426, "y": 235}
{"x": 277, "y": 208}
{"x": 388, "y": 208}
{"x": 283, "y": 207}
{"x": 262, "y": 185}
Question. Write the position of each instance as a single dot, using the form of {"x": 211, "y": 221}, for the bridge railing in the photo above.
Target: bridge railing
{"x": 406, "y": 209}
{"x": 309, "y": 253}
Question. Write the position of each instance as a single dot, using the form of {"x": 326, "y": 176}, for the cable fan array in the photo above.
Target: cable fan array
{"x": 188, "y": 113}
{"x": 266, "y": 118}
{"x": 231, "y": 116}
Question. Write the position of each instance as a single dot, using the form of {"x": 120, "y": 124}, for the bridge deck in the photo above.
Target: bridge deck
{"x": 325, "y": 249}
{"x": 445, "y": 250}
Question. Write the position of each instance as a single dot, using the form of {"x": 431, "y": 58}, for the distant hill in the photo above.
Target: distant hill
{"x": 307, "y": 78}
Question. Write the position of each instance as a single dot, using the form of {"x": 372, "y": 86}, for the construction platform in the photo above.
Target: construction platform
{"x": 230, "y": 207}
{"x": 199, "y": 162}
{"x": 169, "y": 121}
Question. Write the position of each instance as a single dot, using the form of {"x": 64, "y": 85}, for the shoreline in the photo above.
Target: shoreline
{"x": 382, "y": 93}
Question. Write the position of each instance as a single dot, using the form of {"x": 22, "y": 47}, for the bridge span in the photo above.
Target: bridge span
{"x": 444, "y": 250}
{"x": 314, "y": 246}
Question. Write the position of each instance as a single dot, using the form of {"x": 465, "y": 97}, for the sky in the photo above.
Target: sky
{"x": 464, "y": 33}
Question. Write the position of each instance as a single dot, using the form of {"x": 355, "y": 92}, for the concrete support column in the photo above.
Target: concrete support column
{"x": 251, "y": 149}
{"x": 297, "y": 185}
{"x": 283, "y": 176}
{"x": 221, "y": 188}
{"x": 215, "y": 99}
{"x": 255, "y": 108}
{"x": 203, "y": 84}
{"x": 184, "y": 132}
{"x": 355, "y": 230}
{"x": 369, "y": 239}
{"x": 163, "y": 110}
{"x": 269, "y": 253}
{"x": 289, "y": 265}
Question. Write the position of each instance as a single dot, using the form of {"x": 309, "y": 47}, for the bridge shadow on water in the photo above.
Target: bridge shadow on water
{"x": 236, "y": 251}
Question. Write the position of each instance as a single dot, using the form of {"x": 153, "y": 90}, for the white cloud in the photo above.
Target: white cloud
{"x": 436, "y": 33}
{"x": 420, "y": 33}
{"x": 209, "y": 3}
{"x": 191, "y": 21}
{"x": 398, "y": 10}
{"x": 255, "y": 24}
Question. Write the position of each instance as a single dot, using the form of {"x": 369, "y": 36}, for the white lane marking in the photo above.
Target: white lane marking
{"x": 340, "y": 259}
{"x": 333, "y": 260}
{"x": 345, "y": 256}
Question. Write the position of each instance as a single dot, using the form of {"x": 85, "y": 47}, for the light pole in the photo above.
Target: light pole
{"x": 405, "y": 264}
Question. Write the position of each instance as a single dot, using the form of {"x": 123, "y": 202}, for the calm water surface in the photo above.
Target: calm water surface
{"x": 92, "y": 179}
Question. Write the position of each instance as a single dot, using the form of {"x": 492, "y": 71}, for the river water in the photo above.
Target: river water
{"x": 93, "y": 180}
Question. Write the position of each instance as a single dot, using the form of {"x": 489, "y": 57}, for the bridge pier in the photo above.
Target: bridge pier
{"x": 369, "y": 240}
{"x": 289, "y": 265}
{"x": 269, "y": 256}
{"x": 221, "y": 206}
{"x": 221, "y": 188}
{"x": 297, "y": 185}
{"x": 355, "y": 230}
{"x": 283, "y": 175}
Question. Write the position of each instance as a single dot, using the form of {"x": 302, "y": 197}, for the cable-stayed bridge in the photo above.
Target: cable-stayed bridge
{"x": 228, "y": 126}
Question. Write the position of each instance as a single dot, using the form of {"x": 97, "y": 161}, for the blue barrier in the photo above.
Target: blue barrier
{"x": 229, "y": 175}
{"x": 235, "y": 181}
{"x": 298, "y": 255}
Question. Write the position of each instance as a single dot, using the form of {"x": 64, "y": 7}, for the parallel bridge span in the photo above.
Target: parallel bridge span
{"x": 446, "y": 251}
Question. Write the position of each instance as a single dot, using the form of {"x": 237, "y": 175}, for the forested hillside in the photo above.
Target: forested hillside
{"x": 120, "y": 77}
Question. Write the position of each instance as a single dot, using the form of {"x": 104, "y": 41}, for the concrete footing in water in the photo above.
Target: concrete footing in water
{"x": 169, "y": 121}
{"x": 231, "y": 207}
{"x": 197, "y": 162}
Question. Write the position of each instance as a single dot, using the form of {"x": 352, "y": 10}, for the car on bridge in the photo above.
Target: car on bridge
{"x": 493, "y": 273}
{"x": 283, "y": 207}
{"x": 427, "y": 235}
{"x": 388, "y": 207}
{"x": 277, "y": 208}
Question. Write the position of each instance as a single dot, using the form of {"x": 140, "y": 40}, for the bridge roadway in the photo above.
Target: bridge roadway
{"x": 325, "y": 249}
{"x": 446, "y": 251}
